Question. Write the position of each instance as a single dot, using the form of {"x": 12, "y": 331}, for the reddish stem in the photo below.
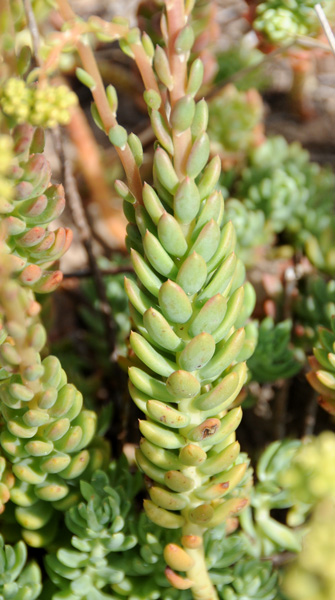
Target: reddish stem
{"x": 176, "y": 20}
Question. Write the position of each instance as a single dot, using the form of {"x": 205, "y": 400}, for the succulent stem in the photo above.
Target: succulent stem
{"x": 176, "y": 20}
{"x": 202, "y": 588}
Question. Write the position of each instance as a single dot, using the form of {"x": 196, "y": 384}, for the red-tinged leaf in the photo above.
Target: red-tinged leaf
{"x": 178, "y": 582}
{"x": 16, "y": 262}
{"x": 46, "y": 243}
{"x": 319, "y": 387}
{"x": 35, "y": 207}
{"x": 49, "y": 282}
{"x": 31, "y": 274}
{"x": 33, "y": 237}
{"x": 22, "y": 138}
{"x": 329, "y": 407}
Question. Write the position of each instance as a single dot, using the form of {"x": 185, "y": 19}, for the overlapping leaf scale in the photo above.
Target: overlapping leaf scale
{"x": 189, "y": 308}
{"x": 45, "y": 431}
{"x": 26, "y": 210}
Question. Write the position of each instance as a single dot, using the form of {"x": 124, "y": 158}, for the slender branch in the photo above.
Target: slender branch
{"x": 60, "y": 40}
{"x": 145, "y": 68}
{"x": 310, "y": 413}
{"x": 33, "y": 30}
{"x": 86, "y": 273}
{"x": 107, "y": 116}
{"x": 325, "y": 26}
{"x": 109, "y": 120}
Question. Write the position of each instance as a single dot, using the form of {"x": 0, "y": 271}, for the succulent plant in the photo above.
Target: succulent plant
{"x": 321, "y": 250}
{"x": 322, "y": 375}
{"x": 235, "y": 123}
{"x": 18, "y": 581}
{"x": 237, "y": 58}
{"x": 100, "y": 525}
{"x": 294, "y": 193}
{"x": 311, "y": 576}
{"x": 251, "y": 229}
{"x": 280, "y": 20}
{"x": 314, "y": 306}
{"x": 252, "y": 579}
{"x": 30, "y": 204}
{"x": 7, "y": 481}
{"x": 202, "y": 33}
{"x": 45, "y": 430}
{"x": 264, "y": 534}
{"x": 188, "y": 307}
{"x": 303, "y": 477}
{"x": 273, "y": 358}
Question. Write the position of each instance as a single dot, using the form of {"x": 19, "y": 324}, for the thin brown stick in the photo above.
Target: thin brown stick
{"x": 33, "y": 28}
{"x": 310, "y": 413}
{"x": 325, "y": 26}
{"x": 87, "y": 273}
{"x": 79, "y": 219}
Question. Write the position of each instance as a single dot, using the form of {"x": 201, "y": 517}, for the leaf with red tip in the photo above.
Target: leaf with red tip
{"x": 49, "y": 281}
{"x": 31, "y": 274}
{"x": 33, "y": 237}
{"x": 178, "y": 582}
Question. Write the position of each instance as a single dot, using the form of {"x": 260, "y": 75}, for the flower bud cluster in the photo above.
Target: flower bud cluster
{"x": 40, "y": 106}
{"x": 304, "y": 478}
{"x": 312, "y": 577}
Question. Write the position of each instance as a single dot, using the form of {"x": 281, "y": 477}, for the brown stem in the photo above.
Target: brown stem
{"x": 84, "y": 140}
{"x": 33, "y": 29}
{"x": 107, "y": 116}
{"x": 145, "y": 68}
{"x": 86, "y": 273}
